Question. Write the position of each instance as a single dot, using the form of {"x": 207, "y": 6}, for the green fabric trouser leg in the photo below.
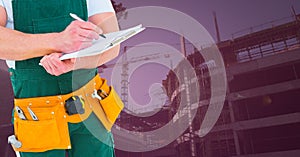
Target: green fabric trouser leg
{"x": 88, "y": 139}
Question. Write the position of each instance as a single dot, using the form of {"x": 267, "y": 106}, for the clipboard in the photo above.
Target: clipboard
{"x": 101, "y": 45}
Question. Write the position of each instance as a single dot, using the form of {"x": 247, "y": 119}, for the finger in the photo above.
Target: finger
{"x": 58, "y": 66}
{"x": 47, "y": 67}
{"x": 85, "y": 45}
{"x": 84, "y": 39}
{"x": 55, "y": 69}
{"x": 73, "y": 60}
{"x": 55, "y": 64}
{"x": 51, "y": 63}
{"x": 61, "y": 66}
{"x": 46, "y": 57}
{"x": 43, "y": 59}
{"x": 90, "y": 26}
{"x": 53, "y": 60}
{"x": 81, "y": 38}
{"x": 88, "y": 34}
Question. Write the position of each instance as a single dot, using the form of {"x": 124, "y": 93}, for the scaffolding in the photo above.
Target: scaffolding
{"x": 261, "y": 67}
{"x": 262, "y": 43}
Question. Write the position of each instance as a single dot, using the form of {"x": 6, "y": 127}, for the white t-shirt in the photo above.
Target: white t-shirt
{"x": 93, "y": 7}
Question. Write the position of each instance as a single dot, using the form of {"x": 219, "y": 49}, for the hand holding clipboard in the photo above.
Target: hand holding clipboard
{"x": 101, "y": 45}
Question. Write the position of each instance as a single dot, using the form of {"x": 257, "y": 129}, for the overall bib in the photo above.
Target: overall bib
{"x": 30, "y": 80}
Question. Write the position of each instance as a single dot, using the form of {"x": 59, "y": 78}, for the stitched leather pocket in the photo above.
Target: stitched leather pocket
{"x": 49, "y": 132}
{"x": 37, "y": 134}
{"x": 112, "y": 105}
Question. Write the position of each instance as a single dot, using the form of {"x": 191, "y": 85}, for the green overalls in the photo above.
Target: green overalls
{"x": 31, "y": 80}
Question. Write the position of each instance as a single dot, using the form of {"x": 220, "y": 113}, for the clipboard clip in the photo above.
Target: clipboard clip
{"x": 126, "y": 35}
{"x": 119, "y": 39}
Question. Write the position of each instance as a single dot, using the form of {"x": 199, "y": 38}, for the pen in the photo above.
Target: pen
{"x": 74, "y": 16}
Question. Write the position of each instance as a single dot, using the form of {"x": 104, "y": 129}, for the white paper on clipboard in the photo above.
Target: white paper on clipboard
{"x": 101, "y": 45}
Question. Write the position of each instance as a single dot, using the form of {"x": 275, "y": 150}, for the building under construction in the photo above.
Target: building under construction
{"x": 261, "y": 113}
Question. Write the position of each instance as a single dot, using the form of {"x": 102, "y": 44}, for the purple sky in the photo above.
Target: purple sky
{"x": 233, "y": 16}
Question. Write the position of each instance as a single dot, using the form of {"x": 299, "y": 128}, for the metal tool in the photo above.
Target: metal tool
{"x": 95, "y": 95}
{"x": 99, "y": 94}
{"x": 20, "y": 113}
{"x": 32, "y": 114}
{"x": 13, "y": 141}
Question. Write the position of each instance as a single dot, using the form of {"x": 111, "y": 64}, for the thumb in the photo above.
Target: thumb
{"x": 73, "y": 60}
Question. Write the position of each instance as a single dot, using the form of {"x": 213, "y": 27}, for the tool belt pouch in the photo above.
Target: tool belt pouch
{"x": 109, "y": 108}
{"x": 112, "y": 105}
{"x": 49, "y": 132}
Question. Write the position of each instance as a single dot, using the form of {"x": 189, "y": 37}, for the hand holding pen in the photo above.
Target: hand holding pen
{"x": 78, "y": 35}
{"x": 74, "y": 16}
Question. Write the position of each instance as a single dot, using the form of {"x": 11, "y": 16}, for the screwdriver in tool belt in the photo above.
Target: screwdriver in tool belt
{"x": 32, "y": 114}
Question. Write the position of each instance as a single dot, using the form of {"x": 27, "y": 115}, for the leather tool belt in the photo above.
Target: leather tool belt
{"x": 50, "y": 128}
